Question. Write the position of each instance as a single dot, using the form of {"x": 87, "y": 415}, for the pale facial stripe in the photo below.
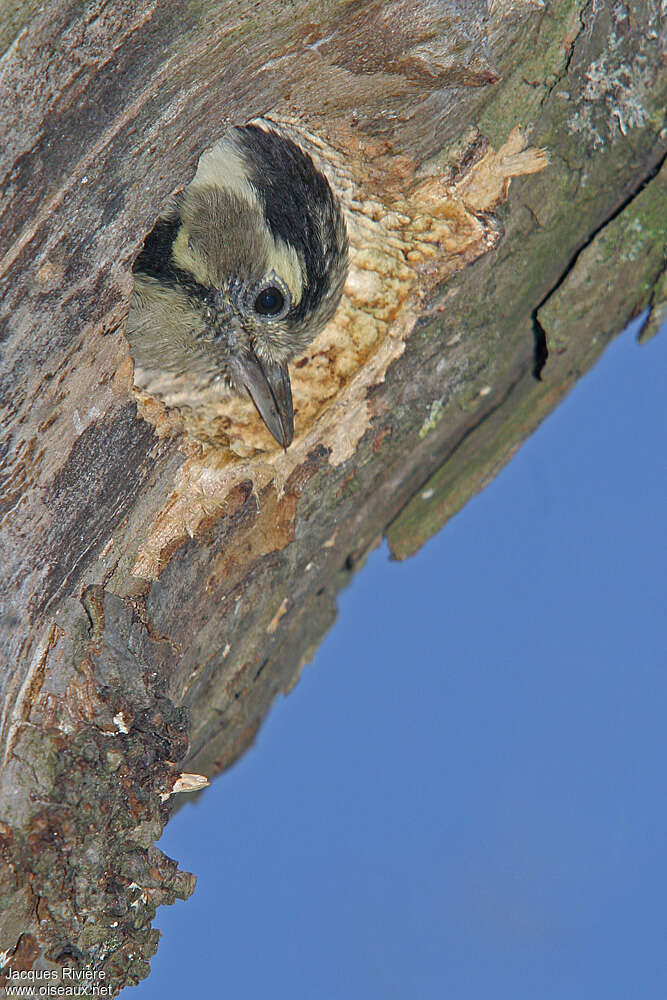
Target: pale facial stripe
{"x": 223, "y": 166}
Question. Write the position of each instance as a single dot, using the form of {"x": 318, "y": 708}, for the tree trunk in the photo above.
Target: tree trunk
{"x": 501, "y": 172}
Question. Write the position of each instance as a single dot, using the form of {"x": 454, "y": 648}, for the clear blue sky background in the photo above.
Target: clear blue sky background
{"x": 464, "y": 797}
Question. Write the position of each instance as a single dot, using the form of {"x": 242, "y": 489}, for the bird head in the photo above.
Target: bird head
{"x": 253, "y": 260}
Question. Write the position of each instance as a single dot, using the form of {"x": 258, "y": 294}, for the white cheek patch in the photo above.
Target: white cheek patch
{"x": 281, "y": 258}
{"x": 223, "y": 167}
{"x": 284, "y": 260}
{"x": 188, "y": 261}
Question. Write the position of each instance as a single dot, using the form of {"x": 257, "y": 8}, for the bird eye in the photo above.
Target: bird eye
{"x": 271, "y": 298}
{"x": 270, "y": 301}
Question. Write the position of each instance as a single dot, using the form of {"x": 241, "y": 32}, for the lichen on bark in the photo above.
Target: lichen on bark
{"x": 157, "y": 594}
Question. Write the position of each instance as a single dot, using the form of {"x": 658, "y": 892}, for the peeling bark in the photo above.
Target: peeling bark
{"x": 502, "y": 172}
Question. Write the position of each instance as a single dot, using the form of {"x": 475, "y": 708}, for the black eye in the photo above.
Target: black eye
{"x": 269, "y": 302}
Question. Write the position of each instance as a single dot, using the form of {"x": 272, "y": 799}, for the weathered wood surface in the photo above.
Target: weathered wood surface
{"x": 156, "y": 595}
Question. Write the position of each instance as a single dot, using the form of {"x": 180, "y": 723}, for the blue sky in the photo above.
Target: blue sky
{"x": 464, "y": 796}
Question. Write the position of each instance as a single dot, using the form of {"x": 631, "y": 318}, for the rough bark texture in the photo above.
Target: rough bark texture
{"x": 156, "y": 592}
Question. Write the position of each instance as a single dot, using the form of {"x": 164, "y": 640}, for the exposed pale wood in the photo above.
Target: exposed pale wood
{"x": 500, "y": 168}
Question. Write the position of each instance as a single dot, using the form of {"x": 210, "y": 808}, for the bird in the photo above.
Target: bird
{"x": 244, "y": 267}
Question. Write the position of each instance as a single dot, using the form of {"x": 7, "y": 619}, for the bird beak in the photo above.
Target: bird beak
{"x": 269, "y": 388}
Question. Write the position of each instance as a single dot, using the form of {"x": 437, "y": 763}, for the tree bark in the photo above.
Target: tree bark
{"x": 502, "y": 172}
